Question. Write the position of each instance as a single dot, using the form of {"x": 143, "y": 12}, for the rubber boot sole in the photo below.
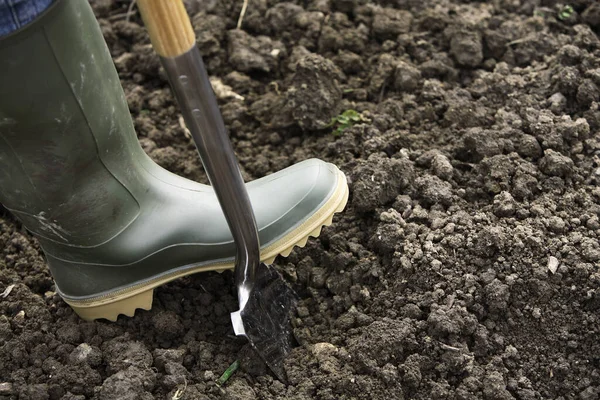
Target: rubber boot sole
{"x": 126, "y": 301}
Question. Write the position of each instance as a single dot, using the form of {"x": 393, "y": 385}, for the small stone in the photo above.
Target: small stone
{"x": 303, "y": 312}
{"x": 120, "y": 354}
{"x": 558, "y": 102}
{"x": 165, "y": 356}
{"x": 20, "y": 317}
{"x": 209, "y": 376}
{"x": 556, "y": 224}
{"x": 323, "y": 349}
{"x": 318, "y": 277}
{"x": 511, "y": 351}
{"x": 467, "y": 49}
{"x": 553, "y": 264}
{"x": 406, "y": 77}
{"x": 570, "y": 55}
{"x": 412, "y": 311}
{"x": 504, "y": 205}
{"x": 380, "y": 181}
{"x": 346, "y": 321}
{"x": 432, "y": 190}
{"x": 587, "y": 93}
{"x": 69, "y": 334}
{"x": 168, "y": 325}
{"x": 497, "y": 296}
{"x": 250, "y": 54}
{"x": 479, "y": 144}
{"x": 537, "y": 313}
{"x": 568, "y": 80}
{"x": 441, "y": 167}
{"x": 315, "y": 94}
{"x": 172, "y": 368}
{"x": 593, "y": 223}
{"x": 388, "y": 23}
{"x": 84, "y": 353}
{"x": 349, "y": 62}
{"x": 6, "y": 388}
{"x": 555, "y": 164}
{"x": 590, "y": 251}
{"x": 437, "y": 223}
{"x": 585, "y": 37}
{"x": 528, "y": 146}
{"x": 49, "y": 295}
{"x": 338, "y": 284}
{"x": 279, "y": 16}
{"x": 365, "y": 294}
{"x": 389, "y": 373}
{"x": 494, "y": 387}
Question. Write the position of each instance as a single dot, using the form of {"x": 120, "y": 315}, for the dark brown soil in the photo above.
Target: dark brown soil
{"x": 467, "y": 264}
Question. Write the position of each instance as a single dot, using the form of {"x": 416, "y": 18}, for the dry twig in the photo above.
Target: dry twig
{"x": 242, "y": 13}
{"x": 130, "y": 10}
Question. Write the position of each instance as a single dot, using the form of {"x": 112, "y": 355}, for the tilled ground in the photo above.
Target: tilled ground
{"x": 467, "y": 263}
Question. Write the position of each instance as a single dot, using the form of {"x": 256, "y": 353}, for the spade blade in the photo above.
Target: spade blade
{"x": 265, "y": 319}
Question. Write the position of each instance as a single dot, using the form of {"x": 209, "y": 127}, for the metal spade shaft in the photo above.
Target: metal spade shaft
{"x": 175, "y": 43}
{"x": 263, "y": 316}
{"x": 173, "y": 38}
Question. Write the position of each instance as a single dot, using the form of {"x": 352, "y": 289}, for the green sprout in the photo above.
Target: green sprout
{"x": 228, "y": 372}
{"x": 345, "y": 120}
{"x": 565, "y": 12}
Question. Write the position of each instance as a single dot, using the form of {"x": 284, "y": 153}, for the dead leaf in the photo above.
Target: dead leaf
{"x": 7, "y": 291}
{"x": 553, "y": 264}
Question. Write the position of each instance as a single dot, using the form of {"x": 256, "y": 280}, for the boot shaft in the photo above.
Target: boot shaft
{"x": 65, "y": 130}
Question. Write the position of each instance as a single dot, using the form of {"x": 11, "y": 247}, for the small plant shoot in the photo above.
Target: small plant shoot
{"x": 345, "y": 120}
{"x": 565, "y": 12}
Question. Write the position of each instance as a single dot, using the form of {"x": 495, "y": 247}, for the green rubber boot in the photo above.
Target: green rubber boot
{"x": 112, "y": 223}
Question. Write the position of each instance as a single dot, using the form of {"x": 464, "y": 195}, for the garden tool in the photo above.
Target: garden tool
{"x": 113, "y": 224}
{"x": 265, "y": 300}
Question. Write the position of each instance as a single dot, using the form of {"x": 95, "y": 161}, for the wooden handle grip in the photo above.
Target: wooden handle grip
{"x": 168, "y": 25}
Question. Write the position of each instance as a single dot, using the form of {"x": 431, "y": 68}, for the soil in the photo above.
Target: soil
{"x": 467, "y": 263}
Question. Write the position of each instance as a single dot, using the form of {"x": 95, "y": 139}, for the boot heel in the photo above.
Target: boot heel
{"x": 111, "y": 311}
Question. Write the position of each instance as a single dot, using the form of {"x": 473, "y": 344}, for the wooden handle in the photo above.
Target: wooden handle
{"x": 168, "y": 25}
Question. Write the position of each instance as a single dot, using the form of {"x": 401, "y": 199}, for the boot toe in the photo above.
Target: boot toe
{"x": 288, "y": 200}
